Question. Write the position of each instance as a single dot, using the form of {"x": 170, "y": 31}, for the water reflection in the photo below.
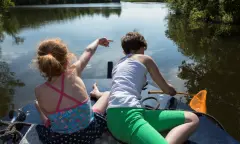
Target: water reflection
{"x": 8, "y": 82}
{"x": 27, "y": 17}
{"x": 18, "y": 18}
{"x": 36, "y": 17}
{"x": 213, "y": 65}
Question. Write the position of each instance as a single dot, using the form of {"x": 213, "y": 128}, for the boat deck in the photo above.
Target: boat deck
{"x": 208, "y": 132}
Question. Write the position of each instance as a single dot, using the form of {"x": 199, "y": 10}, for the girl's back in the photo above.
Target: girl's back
{"x": 73, "y": 87}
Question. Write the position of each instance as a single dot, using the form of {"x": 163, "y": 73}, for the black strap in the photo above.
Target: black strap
{"x": 150, "y": 107}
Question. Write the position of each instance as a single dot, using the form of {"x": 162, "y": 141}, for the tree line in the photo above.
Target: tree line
{"x": 217, "y": 11}
{"x": 42, "y": 2}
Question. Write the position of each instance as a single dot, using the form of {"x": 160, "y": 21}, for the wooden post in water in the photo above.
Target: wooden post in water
{"x": 109, "y": 69}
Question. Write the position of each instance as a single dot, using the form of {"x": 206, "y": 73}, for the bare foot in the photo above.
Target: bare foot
{"x": 95, "y": 93}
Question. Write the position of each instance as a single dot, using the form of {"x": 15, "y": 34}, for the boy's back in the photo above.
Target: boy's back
{"x": 129, "y": 77}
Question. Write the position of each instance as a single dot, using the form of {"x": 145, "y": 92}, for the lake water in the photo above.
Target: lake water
{"x": 191, "y": 56}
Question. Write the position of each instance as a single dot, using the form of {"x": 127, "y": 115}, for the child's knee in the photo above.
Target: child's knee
{"x": 191, "y": 118}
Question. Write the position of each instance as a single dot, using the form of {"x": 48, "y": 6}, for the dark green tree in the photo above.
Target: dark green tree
{"x": 4, "y": 4}
{"x": 224, "y": 11}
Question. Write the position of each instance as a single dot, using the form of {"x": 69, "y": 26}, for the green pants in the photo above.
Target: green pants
{"x": 141, "y": 126}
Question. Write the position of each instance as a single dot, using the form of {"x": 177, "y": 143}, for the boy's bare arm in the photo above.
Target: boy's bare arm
{"x": 157, "y": 76}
